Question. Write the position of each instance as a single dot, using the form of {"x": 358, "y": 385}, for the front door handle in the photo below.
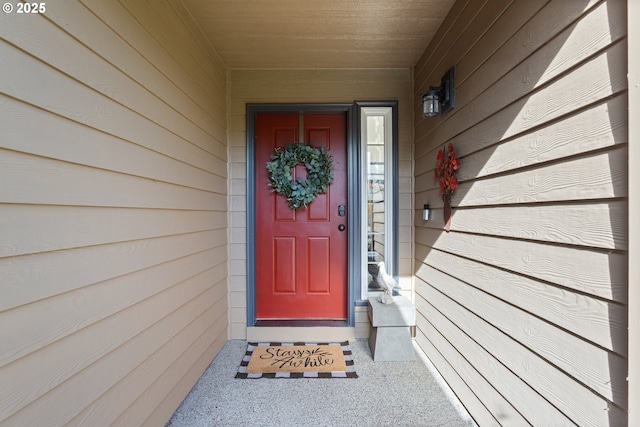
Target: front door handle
{"x": 341, "y": 227}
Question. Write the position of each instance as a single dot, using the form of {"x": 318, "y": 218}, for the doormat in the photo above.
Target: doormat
{"x": 297, "y": 360}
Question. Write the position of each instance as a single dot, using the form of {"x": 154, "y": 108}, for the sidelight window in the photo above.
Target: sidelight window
{"x": 377, "y": 191}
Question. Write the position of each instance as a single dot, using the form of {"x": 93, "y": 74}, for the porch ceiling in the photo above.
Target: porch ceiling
{"x": 289, "y": 34}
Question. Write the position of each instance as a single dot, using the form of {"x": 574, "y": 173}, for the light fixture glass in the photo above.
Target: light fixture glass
{"x": 430, "y": 104}
{"x": 425, "y": 212}
{"x": 439, "y": 98}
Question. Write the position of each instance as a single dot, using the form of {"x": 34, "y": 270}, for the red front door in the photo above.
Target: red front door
{"x": 301, "y": 255}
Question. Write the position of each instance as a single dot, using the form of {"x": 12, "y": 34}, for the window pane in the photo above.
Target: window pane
{"x": 375, "y": 196}
{"x": 375, "y": 130}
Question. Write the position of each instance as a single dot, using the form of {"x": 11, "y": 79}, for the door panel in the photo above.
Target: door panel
{"x": 283, "y": 277}
{"x": 301, "y": 256}
{"x": 319, "y": 276}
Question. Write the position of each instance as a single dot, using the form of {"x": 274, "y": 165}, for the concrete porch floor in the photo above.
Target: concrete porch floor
{"x": 385, "y": 394}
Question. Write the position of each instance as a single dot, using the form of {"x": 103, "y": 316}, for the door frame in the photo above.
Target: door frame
{"x": 354, "y": 218}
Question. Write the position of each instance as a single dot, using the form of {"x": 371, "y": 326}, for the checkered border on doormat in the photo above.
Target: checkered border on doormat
{"x": 346, "y": 351}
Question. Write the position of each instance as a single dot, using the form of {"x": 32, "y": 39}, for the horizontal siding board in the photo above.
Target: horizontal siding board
{"x": 237, "y": 315}
{"x": 583, "y": 38}
{"x": 238, "y": 299}
{"x": 598, "y": 273}
{"x": 77, "y": 143}
{"x": 596, "y": 176}
{"x": 486, "y": 71}
{"x": 462, "y": 19}
{"x": 466, "y": 361}
{"x": 114, "y": 200}
{"x": 243, "y": 80}
{"x": 497, "y": 34}
{"x": 182, "y": 44}
{"x": 601, "y": 322}
{"x": 100, "y": 75}
{"x": 238, "y": 330}
{"x": 465, "y": 40}
{"x": 135, "y": 51}
{"x": 28, "y": 227}
{"x": 444, "y": 30}
{"x": 531, "y": 39}
{"x": 591, "y": 225}
{"x": 481, "y": 415}
{"x": 595, "y": 128}
{"x": 143, "y": 408}
{"x": 36, "y": 374}
{"x": 362, "y": 322}
{"x": 181, "y": 49}
{"x": 541, "y": 392}
{"x": 579, "y": 359}
{"x": 123, "y": 392}
{"x": 38, "y": 180}
{"x": 114, "y": 365}
{"x": 39, "y": 85}
{"x": 74, "y": 311}
{"x": 305, "y": 91}
{"x": 529, "y": 404}
{"x": 316, "y": 86}
{"x": 597, "y": 78}
{"x": 534, "y": 268}
{"x": 35, "y": 277}
{"x": 217, "y": 65}
{"x": 178, "y": 382}
{"x": 114, "y": 35}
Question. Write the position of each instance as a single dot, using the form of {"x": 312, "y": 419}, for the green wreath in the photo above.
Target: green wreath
{"x": 300, "y": 192}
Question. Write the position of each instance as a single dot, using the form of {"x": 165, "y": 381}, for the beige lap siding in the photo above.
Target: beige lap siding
{"x": 522, "y": 306}
{"x": 113, "y": 256}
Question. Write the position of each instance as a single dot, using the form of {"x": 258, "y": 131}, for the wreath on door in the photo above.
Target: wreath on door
{"x": 300, "y": 192}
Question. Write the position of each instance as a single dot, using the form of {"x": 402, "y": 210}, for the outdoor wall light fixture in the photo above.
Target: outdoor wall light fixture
{"x": 425, "y": 212}
{"x": 439, "y": 98}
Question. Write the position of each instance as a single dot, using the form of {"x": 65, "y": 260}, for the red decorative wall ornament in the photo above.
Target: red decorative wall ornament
{"x": 445, "y": 173}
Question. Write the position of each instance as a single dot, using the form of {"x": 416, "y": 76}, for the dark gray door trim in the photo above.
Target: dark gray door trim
{"x": 353, "y": 159}
{"x": 354, "y": 197}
